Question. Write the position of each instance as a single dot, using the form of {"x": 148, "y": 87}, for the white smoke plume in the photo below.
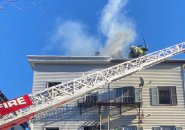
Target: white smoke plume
{"x": 73, "y": 38}
{"x": 118, "y": 29}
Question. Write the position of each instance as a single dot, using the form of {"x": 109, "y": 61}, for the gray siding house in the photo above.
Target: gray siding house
{"x": 152, "y": 99}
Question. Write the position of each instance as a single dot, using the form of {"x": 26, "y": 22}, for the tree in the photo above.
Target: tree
{"x": 15, "y": 3}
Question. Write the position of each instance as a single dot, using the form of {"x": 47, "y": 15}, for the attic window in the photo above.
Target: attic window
{"x": 54, "y": 128}
{"x": 50, "y": 84}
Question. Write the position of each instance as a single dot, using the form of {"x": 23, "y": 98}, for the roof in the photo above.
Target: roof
{"x": 182, "y": 61}
{"x": 42, "y": 59}
{"x": 70, "y": 60}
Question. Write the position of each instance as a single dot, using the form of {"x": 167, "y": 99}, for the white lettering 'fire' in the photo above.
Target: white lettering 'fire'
{"x": 11, "y": 103}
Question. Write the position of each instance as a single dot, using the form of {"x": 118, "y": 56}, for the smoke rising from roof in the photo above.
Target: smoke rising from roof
{"x": 72, "y": 37}
{"x": 118, "y": 29}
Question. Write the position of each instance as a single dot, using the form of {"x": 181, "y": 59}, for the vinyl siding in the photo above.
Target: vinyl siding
{"x": 68, "y": 117}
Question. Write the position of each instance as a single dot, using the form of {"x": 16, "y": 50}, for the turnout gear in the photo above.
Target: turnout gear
{"x": 135, "y": 52}
{"x": 144, "y": 49}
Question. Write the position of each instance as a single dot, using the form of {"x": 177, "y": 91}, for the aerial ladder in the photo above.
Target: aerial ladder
{"x": 66, "y": 92}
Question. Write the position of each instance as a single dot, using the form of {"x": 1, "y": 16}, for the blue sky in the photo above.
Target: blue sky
{"x": 29, "y": 29}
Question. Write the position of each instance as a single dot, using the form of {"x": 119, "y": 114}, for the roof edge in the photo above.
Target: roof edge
{"x": 43, "y": 59}
{"x": 73, "y": 60}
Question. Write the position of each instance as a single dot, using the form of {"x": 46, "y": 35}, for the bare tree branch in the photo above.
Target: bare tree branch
{"x": 36, "y": 3}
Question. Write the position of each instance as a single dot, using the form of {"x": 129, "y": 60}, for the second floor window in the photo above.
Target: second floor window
{"x": 125, "y": 94}
{"x": 167, "y": 128}
{"x": 164, "y": 95}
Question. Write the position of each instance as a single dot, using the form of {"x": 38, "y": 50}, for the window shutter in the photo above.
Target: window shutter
{"x": 178, "y": 128}
{"x": 154, "y": 96}
{"x": 156, "y": 128}
{"x": 137, "y": 95}
{"x": 173, "y": 96}
{"x": 140, "y": 128}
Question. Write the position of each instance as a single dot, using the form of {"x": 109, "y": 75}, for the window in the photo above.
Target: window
{"x": 164, "y": 96}
{"x": 50, "y": 84}
{"x": 128, "y": 95}
{"x": 91, "y": 128}
{"x": 91, "y": 99}
{"x": 130, "y": 128}
{"x": 125, "y": 95}
{"x": 52, "y": 128}
{"x": 167, "y": 127}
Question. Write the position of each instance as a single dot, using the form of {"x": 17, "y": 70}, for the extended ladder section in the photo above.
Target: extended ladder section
{"x": 66, "y": 92}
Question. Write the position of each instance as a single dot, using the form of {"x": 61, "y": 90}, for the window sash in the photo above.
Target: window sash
{"x": 125, "y": 94}
{"x": 164, "y": 95}
{"x": 155, "y": 95}
{"x": 167, "y": 128}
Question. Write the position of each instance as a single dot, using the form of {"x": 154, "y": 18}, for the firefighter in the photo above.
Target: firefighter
{"x": 144, "y": 49}
{"x": 135, "y": 52}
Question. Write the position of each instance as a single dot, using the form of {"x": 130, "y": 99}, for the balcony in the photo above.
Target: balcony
{"x": 125, "y": 96}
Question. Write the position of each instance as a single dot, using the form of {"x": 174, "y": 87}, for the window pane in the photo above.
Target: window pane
{"x": 119, "y": 92}
{"x": 91, "y": 99}
{"x": 156, "y": 128}
{"x": 128, "y": 95}
{"x": 164, "y": 96}
{"x": 168, "y": 128}
{"x": 52, "y": 128}
{"x": 50, "y": 84}
{"x": 90, "y": 128}
{"x": 130, "y": 128}
{"x": 125, "y": 94}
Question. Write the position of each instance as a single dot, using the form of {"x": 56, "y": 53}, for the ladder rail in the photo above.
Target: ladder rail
{"x": 71, "y": 90}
